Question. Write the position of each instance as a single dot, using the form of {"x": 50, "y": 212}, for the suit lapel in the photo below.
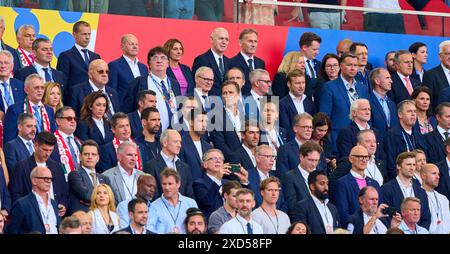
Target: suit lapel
{"x": 378, "y": 107}
{"x": 79, "y": 58}
{"x": 317, "y": 214}
{"x": 35, "y": 205}
{"x": 292, "y": 106}
{"x": 343, "y": 90}
{"x": 125, "y": 67}
{"x": 118, "y": 180}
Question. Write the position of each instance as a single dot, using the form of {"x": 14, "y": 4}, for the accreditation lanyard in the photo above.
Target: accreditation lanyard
{"x": 409, "y": 141}
{"x": 171, "y": 99}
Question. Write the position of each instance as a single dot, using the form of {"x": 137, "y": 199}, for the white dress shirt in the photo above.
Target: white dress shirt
{"x": 129, "y": 182}
{"x": 48, "y": 214}
{"x": 250, "y": 154}
{"x": 373, "y": 171}
{"x": 41, "y": 72}
{"x": 440, "y": 213}
{"x": 238, "y": 225}
{"x": 2, "y": 89}
{"x": 160, "y": 102}
{"x": 407, "y": 191}
{"x": 298, "y": 103}
{"x": 447, "y": 73}
{"x": 100, "y": 126}
{"x": 325, "y": 214}
{"x": 134, "y": 66}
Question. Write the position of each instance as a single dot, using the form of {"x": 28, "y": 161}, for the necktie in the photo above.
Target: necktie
{"x": 72, "y": 150}
{"x": 86, "y": 56}
{"x": 408, "y": 85}
{"x": 387, "y": 113}
{"x": 249, "y": 229}
{"x": 7, "y": 95}
{"x": 446, "y": 134}
{"x": 250, "y": 64}
{"x": 37, "y": 115}
{"x": 166, "y": 99}
{"x": 48, "y": 78}
{"x": 207, "y": 103}
{"x": 353, "y": 94}
{"x": 94, "y": 178}
{"x": 312, "y": 74}
{"x": 221, "y": 68}
{"x": 30, "y": 147}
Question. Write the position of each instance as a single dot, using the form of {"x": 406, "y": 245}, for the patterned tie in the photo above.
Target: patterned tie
{"x": 7, "y": 95}
{"x": 72, "y": 150}
{"x": 37, "y": 115}
{"x": 207, "y": 103}
{"x": 48, "y": 78}
{"x": 30, "y": 147}
{"x": 166, "y": 99}
{"x": 249, "y": 229}
{"x": 86, "y": 56}
{"x": 221, "y": 68}
{"x": 250, "y": 64}
{"x": 312, "y": 73}
{"x": 408, "y": 85}
{"x": 446, "y": 134}
{"x": 94, "y": 178}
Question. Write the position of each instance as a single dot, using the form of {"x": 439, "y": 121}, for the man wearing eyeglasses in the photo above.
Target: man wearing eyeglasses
{"x": 37, "y": 211}
{"x": 98, "y": 81}
{"x": 260, "y": 88}
{"x": 344, "y": 192}
{"x": 204, "y": 80}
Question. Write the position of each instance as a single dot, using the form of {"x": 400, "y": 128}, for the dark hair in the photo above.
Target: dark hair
{"x": 400, "y": 53}
{"x": 308, "y": 147}
{"x": 307, "y": 39}
{"x": 60, "y": 112}
{"x": 45, "y": 138}
{"x": 387, "y": 54}
{"x": 86, "y": 111}
{"x": 230, "y": 82}
{"x": 345, "y": 56}
{"x": 90, "y": 142}
{"x": 116, "y": 117}
{"x": 147, "y": 111}
{"x": 170, "y": 172}
{"x": 250, "y": 123}
{"x": 36, "y": 43}
{"x": 415, "y": 47}
{"x": 440, "y": 108}
{"x": 234, "y": 68}
{"x": 419, "y": 90}
{"x": 168, "y": 46}
{"x": 321, "y": 119}
{"x": 322, "y": 74}
{"x": 193, "y": 113}
{"x": 143, "y": 94}
{"x": 23, "y": 117}
{"x": 312, "y": 177}
{"x": 228, "y": 186}
{"x": 77, "y": 25}
{"x": 154, "y": 51}
{"x": 352, "y": 48}
{"x": 132, "y": 204}
{"x": 292, "y": 226}
{"x": 69, "y": 222}
{"x": 191, "y": 212}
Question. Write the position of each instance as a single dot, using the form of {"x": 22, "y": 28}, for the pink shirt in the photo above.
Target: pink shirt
{"x": 360, "y": 180}
{"x": 181, "y": 79}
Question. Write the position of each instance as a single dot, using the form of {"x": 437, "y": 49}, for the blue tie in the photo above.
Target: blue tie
{"x": 30, "y": 147}
{"x": 207, "y": 103}
{"x": 312, "y": 73}
{"x": 386, "y": 111}
{"x": 250, "y": 64}
{"x": 86, "y": 56}
{"x": 48, "y": 78}
{"x": 72, "y": 150}
{"x": 167, "y": 98}
{"x": 37, "y": 115}
{"x": 7, "y": 95}
{"x": 249, "y": 229}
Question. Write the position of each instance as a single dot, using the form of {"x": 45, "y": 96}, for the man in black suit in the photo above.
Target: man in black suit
{"x": 245, "y": 155}
{"x": 168, "y": 157}
{"x": 246, "y": 59}
{"x": 361, "y": 51}
{"x": 11, "y": 90}
{"x": 438, "y": 78}
{"x": 204, "y": 79}
{"x": 23, "y": 56}
{"x": 403, "y": 83}
{"x": 309, "y": 45}
{"x": 148, "y": 141}
{"x": 258, "y": 95}
{"x": 215, "y": 59}
{"x": 138, "y": 212}
{"x": 435, "y": 140}
{"x": 43, "y": 55}
{"x": 146, "y": 99}
{"x": 316, "y": 210}
{"x": 74, "y": 62}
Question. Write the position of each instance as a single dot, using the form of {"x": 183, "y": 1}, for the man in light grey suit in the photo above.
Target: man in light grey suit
{"x": 124, "y": 176}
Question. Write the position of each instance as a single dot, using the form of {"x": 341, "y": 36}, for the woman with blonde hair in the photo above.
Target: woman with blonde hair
{"x": 293, "y": 60}
{"x": 53, "y": 95}
{"x": 105, "y": 220}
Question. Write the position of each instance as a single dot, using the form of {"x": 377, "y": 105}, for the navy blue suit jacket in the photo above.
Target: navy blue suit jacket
{"x": 346, "y": 140}
{"x": 207, "y": 59}
{"x": 294, "y": 189}
{"x": 135, "y": 124}
{"x": 378, "y": 119}
{"x": 357, "y": 220}
{"x": 108, "y": 158}
{"x": 288, "y": 112}
{"x": 15, "y": 151}
{"x": 20, "y": 184}
{"x": 344, "y": 194}
{"x": 13, "y": 52}
{"x": 80, "y": 91}
{"x": 344, "y": 166}
{"x": 444, "y": 95}
{"x": 5, "y": 198}
{"x": 57, "y": 76}
{"x": 240, "y": 156}
{"x": 393, "y": 196}
{"x": 255, "y": 181}
{"x": 436, "y": 80}
{"x": 17, "y": 91}
{"x": 145, "y": 149}
{"x": 10, "y": 130}
{"x": 282, "y": 136}
{"x": 227, "y": 140}
{"x": 395, "y": 144}
{"x": 306, "y": 210}
{"x": 336, "y": 104}
{"x": 120, "y": 75}
{"x": 26, "y": 216}
{"x": 72, "y": 64}
{"x": 207, "y": 195}
{"x": 444, "y": 180}
{"x": 187, "y": 75}
{"x": 398, "y": 92}
{"x": 239, "y": 61}
{"x": 190, "y": 156}
{"x": 435, "y": 146}
{"x": 128, "y": 230}
{"x": 89, "y": 130}
{"x": 157, "y": 165}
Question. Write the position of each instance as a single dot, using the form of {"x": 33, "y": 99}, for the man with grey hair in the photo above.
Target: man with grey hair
{"x": 23, "y": 56}
{"x": 123, "y": 177}
{"x": 11, "y": 89}
{"x": 215, "y": 59}
{"x": 168, "y": 157}
{"x": 438, "y": 78}
{"x": 260, "y": 88}
{"x": 44, "y": 115}
{"x": 204, "y": 80}
{"x": 127, "y": 67}
{"x": 403, "y": 83}
{"x": 410, "y": 209}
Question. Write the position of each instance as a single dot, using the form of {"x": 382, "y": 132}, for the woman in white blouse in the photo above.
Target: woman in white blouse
{"x": 105, "y": 220}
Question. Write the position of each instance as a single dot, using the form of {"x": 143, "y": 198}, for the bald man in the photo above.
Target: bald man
{"x": 98, "y": 80}
{"x": 344, "y": 192}
{"x": 438, "y": 203}
{"x": 127, "y": 67}
{"x": 343, "y": 46}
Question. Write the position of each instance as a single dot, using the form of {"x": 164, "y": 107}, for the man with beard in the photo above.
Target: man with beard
{"x": 138, "y": 212}
{"x": 148, "y": 143}
{"x": 195, "y": 221}
{"x": 320, "y": 215}
{"x": 146, "y": 188}
{"x": 370, "y": 218}
{"x": 146, "y": 99}
{"x": 243, "y": 223}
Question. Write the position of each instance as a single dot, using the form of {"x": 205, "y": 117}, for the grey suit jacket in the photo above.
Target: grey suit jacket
{"x": 117, "y": 183}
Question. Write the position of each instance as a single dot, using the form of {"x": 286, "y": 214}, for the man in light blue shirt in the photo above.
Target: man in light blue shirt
{"x": 167, "y": 213}
{"x": 410, "y": 209}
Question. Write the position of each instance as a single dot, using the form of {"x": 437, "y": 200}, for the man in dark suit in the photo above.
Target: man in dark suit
{"x": 444, "y": 172}
{"x": 403, "y": 83}
{"x": 258, "y": 97}
{"x": 338, "y": 95}
{"x": 404, "y": 137}
{"x": 438, "y": 78}
{"x": 127, "y": 67}
{"x": 138, "y": 212}
{"x": 74, "y": 62}
{"x": 98, "y": 81}
{"x": 344, "y": 192}
{"x": 11, "y": 89}
{"x": 44, "y": 115}
{"x": 245, "y": 155}
{"x": 384, "y": 110}
{"x": 20, "y": 184}
{"x": 146, "y": 99}
{"x": 403, "y": 186}
{"x": 215, "y": 59}
{"x": 309, "y": 45}
{"x": 361, "y": 51}
{"x": 435, "y": 140}
{"x": 83, "y": 180}
{"x": 27, "y": 215}
{"x": 295, "y": 182}
{"x": 313, "y": 209}
{"x": 22, "y": 146}
{"x": 246, "y": 59}
{"x": 204, "y": 78}
{"x": 193, "y": 146}
{"x": 148, "y": 141}
{"x": 43, "y": 55}
{"x": 168, "y": 157}
{"x": 23, "y": 56}
{"x": 295, "y": 102}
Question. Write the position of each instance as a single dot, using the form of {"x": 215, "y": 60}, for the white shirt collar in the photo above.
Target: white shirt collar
{"x": 214, "y": 179}
{"x": 401, "y": 183}
{"x": 362, "y": 128}
{"x": 216, "y": 56}
{"x": 79, "y": 48}
{"x": 402, "y": 77}
{"x": 129, "y": 61}
{"x": 302, "y": 98}
{"x": 124, "y": 173}
{"x": 442, "y": 131}
{"x": 247, "y": 57}
{"x": 200, "y": 92}
{"x": 38, "y": 66}
{"x": 356, "y": 175}
{"x": 304, "y": 173}
{"x": 95, "y": 88}
{"x": 446, "y": 71}
{"x": 255, "y": 96}
{"x": 262, "y": 175}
